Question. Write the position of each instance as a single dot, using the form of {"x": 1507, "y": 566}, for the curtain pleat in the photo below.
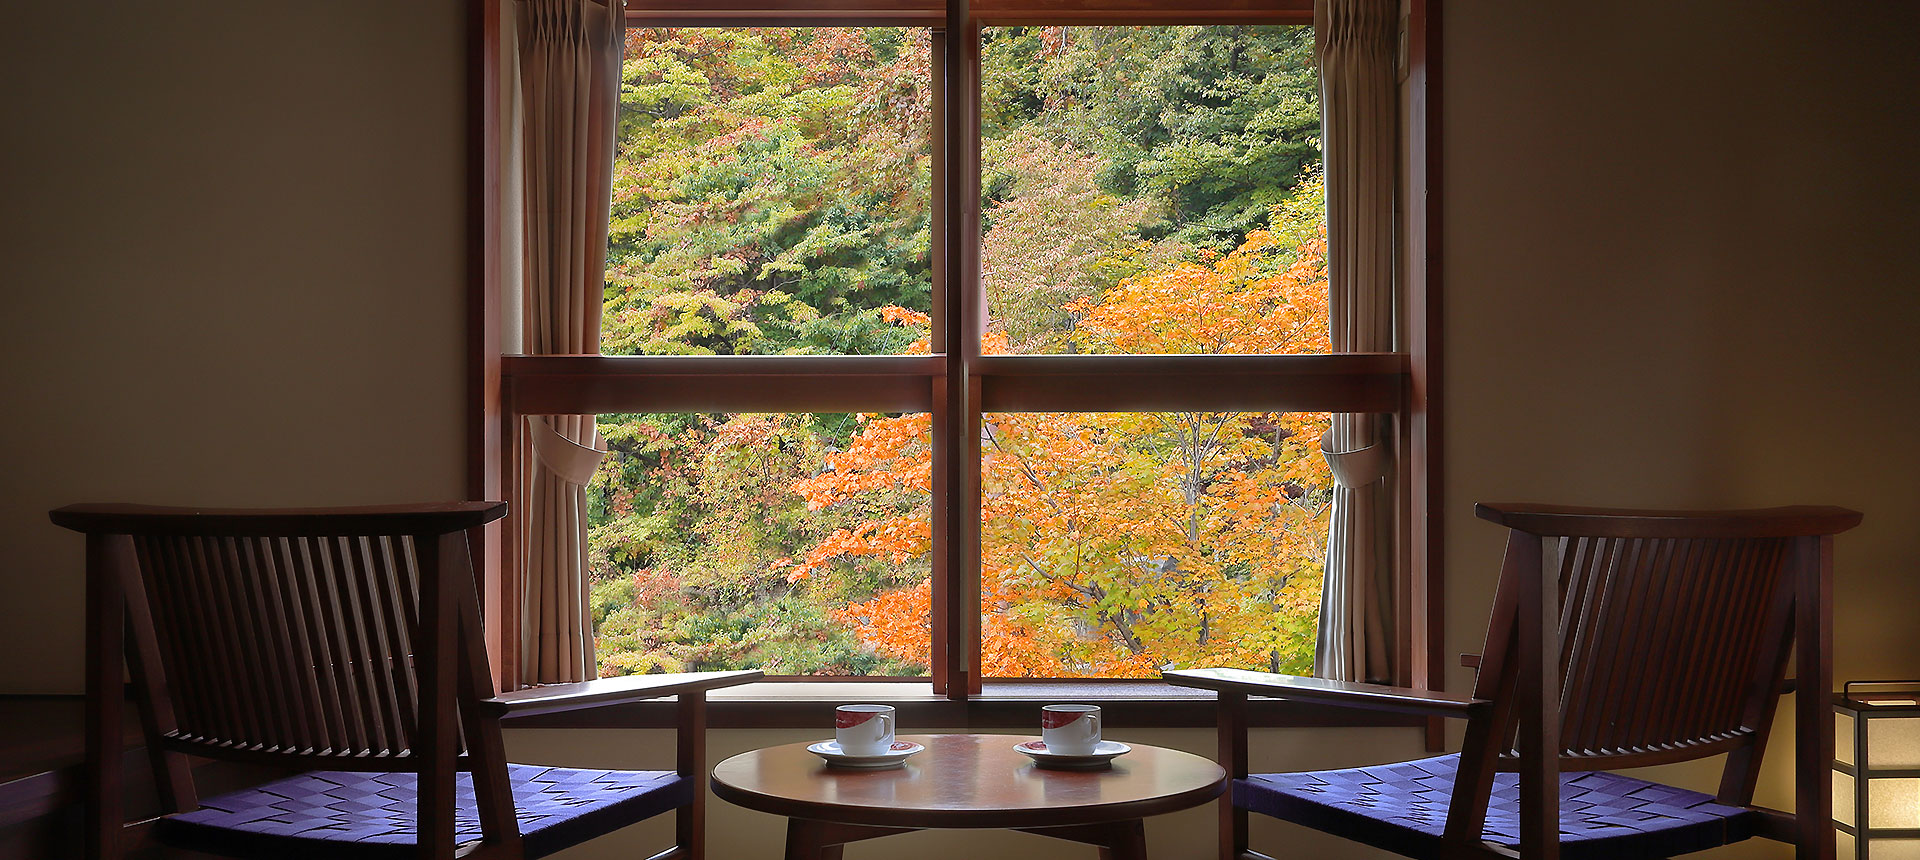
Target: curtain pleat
{"x": 1356, "y": 43}
{"x": 570, "y": 53}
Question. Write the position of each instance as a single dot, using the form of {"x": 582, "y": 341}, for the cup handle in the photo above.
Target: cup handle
{"x": 890, "y": 725}
{"x": 1093, "y": 727}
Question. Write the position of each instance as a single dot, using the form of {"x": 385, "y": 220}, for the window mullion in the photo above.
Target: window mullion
{"x": 960, "y": 313}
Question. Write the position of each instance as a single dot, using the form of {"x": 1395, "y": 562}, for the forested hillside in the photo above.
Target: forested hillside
{"x": 1145, "y": 190}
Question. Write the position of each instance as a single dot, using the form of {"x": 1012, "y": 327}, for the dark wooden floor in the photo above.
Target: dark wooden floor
{"x": 41, "y": 753}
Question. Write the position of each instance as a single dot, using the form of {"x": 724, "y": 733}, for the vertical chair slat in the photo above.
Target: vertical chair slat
{"x": 227, "y": 658}
{"x": 357, "y": 558}
{"x": 296, "y": 652}
{"x": 257, "y": 693}
{"x": 1741, "y": 690}
{"x": 1736, "y": 618}
{"x": 1598, "y": 635}
{"x": 1650, "y": 628}
{"x": 310, "y": 594}
{"x": 1577, "y": 587}
{"x": 393, "y": 610}
{"x": 165, "y": 606}
{"x": 208, "y": 714}
{"x": 333, "y": 555}
{"x": 1580, "y": 725}
{"x": 222, "y": 652}
{"x": 1699, "y": 592}
{"x": 1735, "y": 650}
{"x": 312, "y": 556}
{"x": 1652, "y": 717}
{"x": 1678, "y": 667}
{"x": 1707, "y": 663}
{"x": 262, "y": 638}
{"x": 1624, "y": 658}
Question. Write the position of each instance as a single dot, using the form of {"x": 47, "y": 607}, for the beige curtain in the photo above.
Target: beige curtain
{"x": 1357, "y": 43}
{"x": 569, "y": 70}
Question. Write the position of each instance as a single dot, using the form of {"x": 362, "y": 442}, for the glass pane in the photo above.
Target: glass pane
{"x": 1119, "y": 544}
{"x": 1846, "y": 847}
{"x": 1893, "y": 742}
{"x": 1843, "y": 737}
{"x": 1152, "y": 190}
{"x": 771, "y": 192}
{"x": 760, "y": 542}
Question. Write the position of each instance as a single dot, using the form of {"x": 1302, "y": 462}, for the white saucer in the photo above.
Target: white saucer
{"x": 830, "y": 750}
{"x": 1103, "y": 752}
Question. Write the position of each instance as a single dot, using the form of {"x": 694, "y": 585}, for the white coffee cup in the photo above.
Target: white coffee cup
{"x": 863, "y": 729}
{"x": 1070, "y": 729}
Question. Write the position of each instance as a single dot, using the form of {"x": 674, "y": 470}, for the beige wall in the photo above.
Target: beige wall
{"x": 1680, "y": 271}
{"x": 231, "y": 247}
{"x": 1678, "y": 257}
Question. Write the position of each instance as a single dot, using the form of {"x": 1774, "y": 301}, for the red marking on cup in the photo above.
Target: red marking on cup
{"x": 1059, "y": 719}
{"x": 849, "y": 719}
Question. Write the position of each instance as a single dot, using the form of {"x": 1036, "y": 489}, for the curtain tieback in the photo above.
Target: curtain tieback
{"x": 1359, "y": 467}
{"x": 571, "y": 461}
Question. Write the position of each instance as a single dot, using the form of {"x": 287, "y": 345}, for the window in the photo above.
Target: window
{"x": 730, "y": 541}
{"x": 863, "y": 426}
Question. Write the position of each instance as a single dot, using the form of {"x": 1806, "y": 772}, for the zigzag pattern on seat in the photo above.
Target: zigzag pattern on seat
{"x": 329, "y": 814}
{"x": 1403, "y": 808}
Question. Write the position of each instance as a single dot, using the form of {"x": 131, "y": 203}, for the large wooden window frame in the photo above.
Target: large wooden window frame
{"x": 957, "y": 384}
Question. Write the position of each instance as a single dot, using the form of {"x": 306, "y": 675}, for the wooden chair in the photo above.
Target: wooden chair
{"x": 1666, "y": 639}
{"x": 345, "y": 643}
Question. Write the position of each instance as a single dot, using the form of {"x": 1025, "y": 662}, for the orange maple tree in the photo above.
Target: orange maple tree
{"x": 1113, "y": 545}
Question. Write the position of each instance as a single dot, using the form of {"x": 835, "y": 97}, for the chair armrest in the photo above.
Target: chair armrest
{"x": 610, "y": 691}
{"x": 1368, "y": 697}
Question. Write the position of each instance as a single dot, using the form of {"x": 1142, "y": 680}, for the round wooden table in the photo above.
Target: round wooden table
{"x": 966, "y": 781}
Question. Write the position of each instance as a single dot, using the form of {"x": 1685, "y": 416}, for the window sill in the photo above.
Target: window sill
{"x": 1002, "y": 705}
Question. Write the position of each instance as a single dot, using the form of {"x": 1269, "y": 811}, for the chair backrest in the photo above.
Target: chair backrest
{"x": 291, "y": 635}
{"x": 1674, "y": 627}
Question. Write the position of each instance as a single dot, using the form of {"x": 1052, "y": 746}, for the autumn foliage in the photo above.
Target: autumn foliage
{"x": 1145, "y": 190}
{"x": 1116, "y": 544}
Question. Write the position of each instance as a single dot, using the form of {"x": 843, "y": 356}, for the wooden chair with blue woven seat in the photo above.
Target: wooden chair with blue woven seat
{"x": 344, "y": 643}
{"x": 1618, "y": 639}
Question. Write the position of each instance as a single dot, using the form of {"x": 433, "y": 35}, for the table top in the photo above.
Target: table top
{"x": 967, "y": 781}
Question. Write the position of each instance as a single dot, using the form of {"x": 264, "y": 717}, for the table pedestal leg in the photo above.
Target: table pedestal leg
{"x": 1119, "y": 840}
{"x": 808, "y": 839}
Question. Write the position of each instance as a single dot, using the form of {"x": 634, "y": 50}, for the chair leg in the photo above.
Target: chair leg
{"x": 106, "y": 554}
{"x": 1233, "y": 757}
{"x": 690, "y": 821}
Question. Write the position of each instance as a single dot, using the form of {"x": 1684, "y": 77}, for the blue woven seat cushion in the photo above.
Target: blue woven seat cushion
{"x": 328, "y": 814}
{"x": 1403, "y": 808}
